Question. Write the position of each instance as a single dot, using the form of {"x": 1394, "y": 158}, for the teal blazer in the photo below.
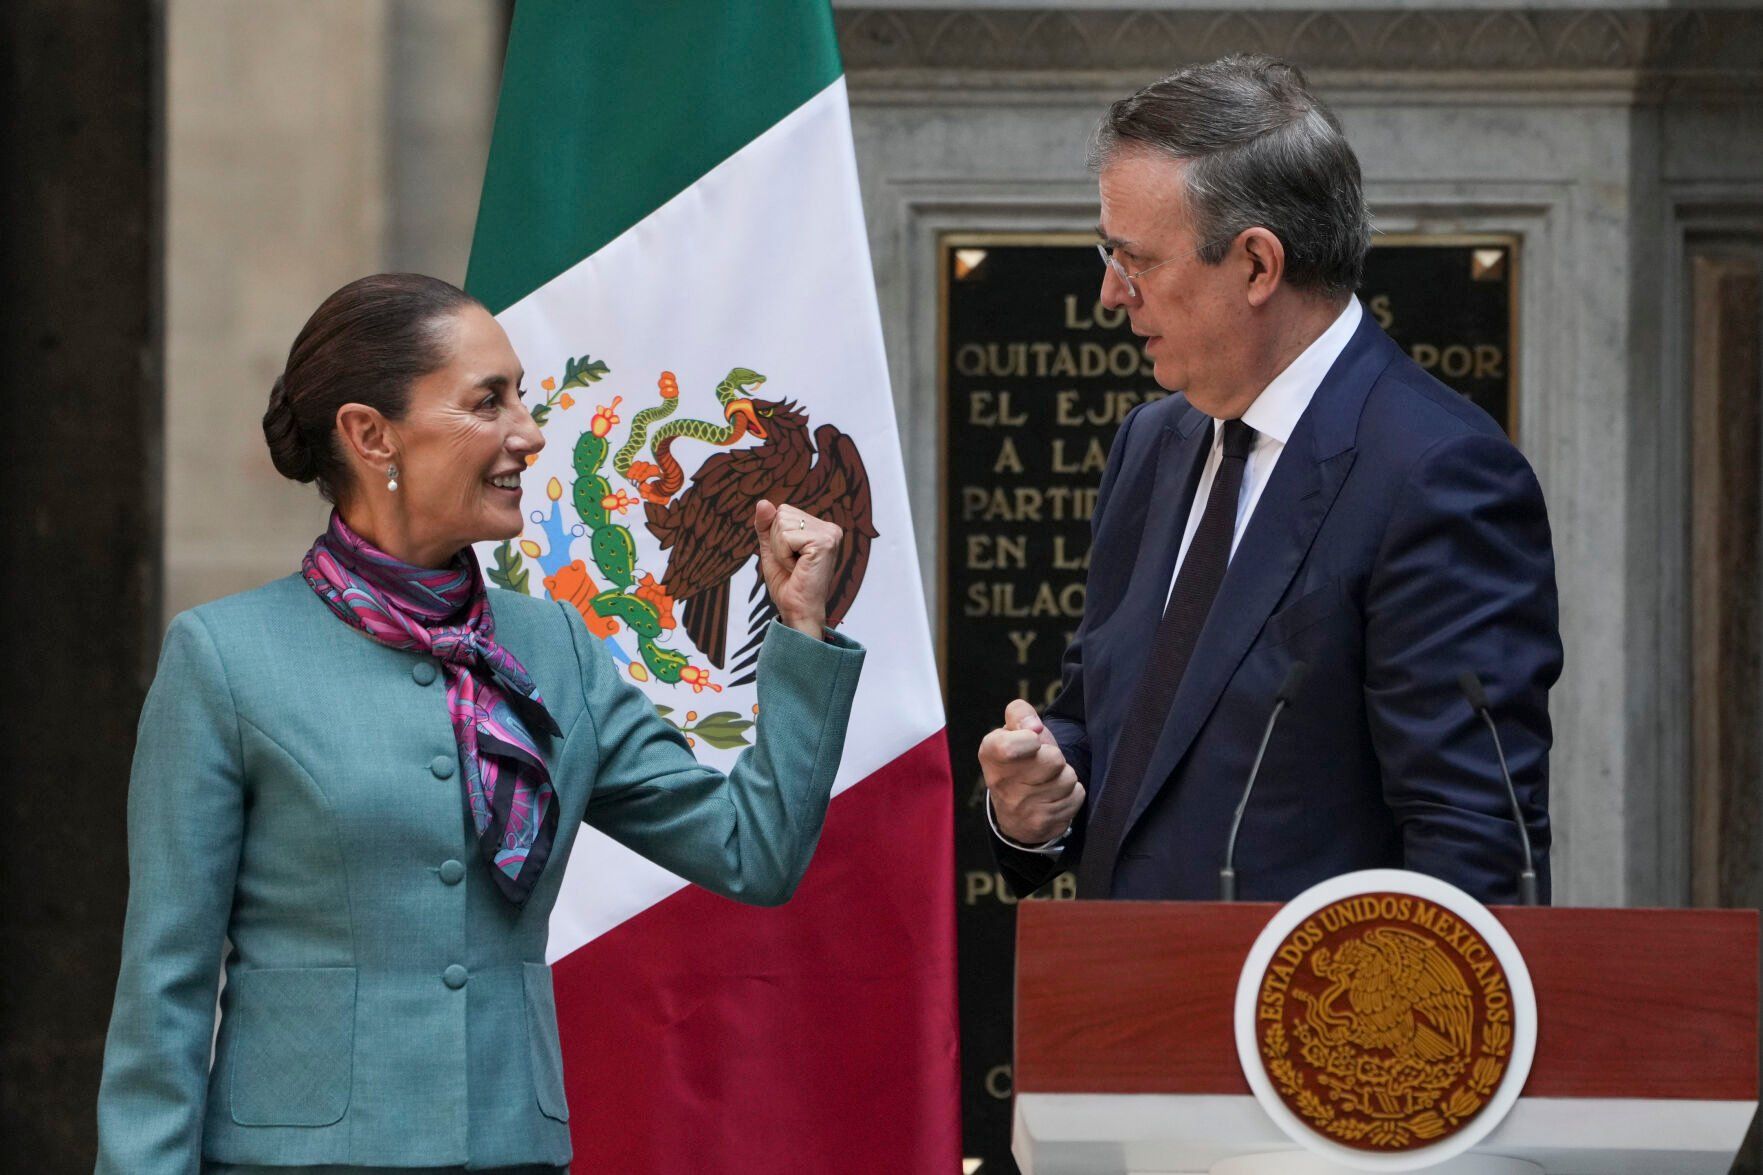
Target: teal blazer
{"x": 295, "y": 791}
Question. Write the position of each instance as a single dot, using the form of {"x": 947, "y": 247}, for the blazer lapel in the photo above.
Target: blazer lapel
{"x": 1296, "y": 499}
{"x": 1179, "y": 461}
{"x": 1178, "y": 470}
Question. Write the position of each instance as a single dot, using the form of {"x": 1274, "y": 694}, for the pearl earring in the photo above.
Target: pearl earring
{"x": 392, "y": 478}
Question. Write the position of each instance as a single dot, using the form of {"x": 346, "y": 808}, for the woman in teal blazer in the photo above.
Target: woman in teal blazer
{"x": 367, "y": 778}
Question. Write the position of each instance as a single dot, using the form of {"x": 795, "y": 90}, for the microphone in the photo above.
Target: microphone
{"x": 1288, "y": 689}
{"x": 1470, "y": 684}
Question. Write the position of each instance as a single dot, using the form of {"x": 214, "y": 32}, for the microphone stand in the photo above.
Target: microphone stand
{"x": 1470, "y": 684}
{"x": 1227, "y": 876}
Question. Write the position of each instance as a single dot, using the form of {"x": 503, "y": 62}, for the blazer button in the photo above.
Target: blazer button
{"x": 442, "y": 766}
{"x": 454, "y": 977}
{"x": 423, "y": 672}
{"x": 452, "y": 872}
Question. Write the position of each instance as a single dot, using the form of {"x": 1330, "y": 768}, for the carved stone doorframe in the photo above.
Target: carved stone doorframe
{"x": 1726, "y": 557}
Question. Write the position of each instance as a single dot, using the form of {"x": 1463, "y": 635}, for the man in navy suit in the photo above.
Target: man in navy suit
{"x": 1310, "y": 495}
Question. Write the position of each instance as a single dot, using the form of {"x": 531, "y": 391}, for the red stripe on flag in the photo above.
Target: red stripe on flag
{"x": 707, "y": 1036}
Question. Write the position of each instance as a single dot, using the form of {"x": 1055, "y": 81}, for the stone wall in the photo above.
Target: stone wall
{"x": 310, "y": 142}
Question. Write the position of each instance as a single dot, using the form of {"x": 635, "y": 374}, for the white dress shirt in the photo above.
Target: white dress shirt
{"x": 1273, "y": 415}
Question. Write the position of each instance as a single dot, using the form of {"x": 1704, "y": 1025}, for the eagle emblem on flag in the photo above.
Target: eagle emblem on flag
{"x": 676, "y": 623}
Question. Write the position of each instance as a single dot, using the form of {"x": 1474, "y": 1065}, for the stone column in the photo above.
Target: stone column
{"x": 310, "y": 142}
{"x": 277, "y": 147}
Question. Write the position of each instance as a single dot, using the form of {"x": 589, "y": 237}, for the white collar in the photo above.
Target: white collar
{"x": 1276, "y": 410}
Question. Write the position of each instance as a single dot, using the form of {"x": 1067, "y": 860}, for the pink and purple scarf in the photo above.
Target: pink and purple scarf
{"x": 445, "y": 613}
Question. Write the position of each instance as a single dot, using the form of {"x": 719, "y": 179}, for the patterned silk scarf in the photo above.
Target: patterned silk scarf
{"x": 445, "y": 613}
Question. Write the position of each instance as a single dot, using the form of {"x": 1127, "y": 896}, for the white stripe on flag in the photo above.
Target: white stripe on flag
{"x": 763, "y": 263}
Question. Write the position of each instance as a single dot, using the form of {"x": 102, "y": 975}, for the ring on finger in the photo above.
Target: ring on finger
{"x": 801, "y": 524}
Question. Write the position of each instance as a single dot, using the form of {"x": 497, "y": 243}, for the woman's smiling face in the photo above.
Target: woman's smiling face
{"x": 464, "y": 440}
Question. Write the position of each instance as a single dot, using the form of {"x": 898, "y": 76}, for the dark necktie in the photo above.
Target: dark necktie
{"x": 1190, "y": 600}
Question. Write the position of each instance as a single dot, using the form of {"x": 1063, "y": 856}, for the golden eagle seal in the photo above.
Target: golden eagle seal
{"x": 1384, "y": 1022}
{"x": 1403, "y": 997}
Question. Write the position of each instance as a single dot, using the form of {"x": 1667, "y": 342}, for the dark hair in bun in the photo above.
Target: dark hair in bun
{"x": 365, "y": 344}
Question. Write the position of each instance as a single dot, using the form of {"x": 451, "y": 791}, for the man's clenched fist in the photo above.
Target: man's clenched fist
{"x": 1035, "y": 793}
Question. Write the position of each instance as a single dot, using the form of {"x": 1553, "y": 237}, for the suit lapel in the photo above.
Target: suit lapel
{"x": 1290, "y": 511}
{"x": 1179, "y": 461}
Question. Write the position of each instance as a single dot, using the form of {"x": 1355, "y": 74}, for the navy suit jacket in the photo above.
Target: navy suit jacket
{"x": 1400, "y": 540}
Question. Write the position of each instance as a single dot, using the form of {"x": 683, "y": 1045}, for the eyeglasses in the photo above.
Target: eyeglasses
{"x": 1119, "y": 270}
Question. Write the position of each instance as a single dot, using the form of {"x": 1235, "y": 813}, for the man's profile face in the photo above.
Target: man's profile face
{"x": 1183, "y": 308}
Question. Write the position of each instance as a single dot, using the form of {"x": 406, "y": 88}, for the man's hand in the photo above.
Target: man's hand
{"x": 1035, "y": 793}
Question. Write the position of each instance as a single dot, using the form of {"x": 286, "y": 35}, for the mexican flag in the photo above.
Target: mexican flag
{"x": 671, "y": 234}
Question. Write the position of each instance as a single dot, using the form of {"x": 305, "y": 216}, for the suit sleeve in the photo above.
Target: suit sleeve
{"x": 1465, "y": 580}
{"x": 186, "y": 824}
{"x": 748, "y": 835}
{"x": 1026, "y": 870}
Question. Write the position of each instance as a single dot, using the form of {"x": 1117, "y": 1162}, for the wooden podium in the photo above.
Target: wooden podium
{"x": 1126, "y": 1057}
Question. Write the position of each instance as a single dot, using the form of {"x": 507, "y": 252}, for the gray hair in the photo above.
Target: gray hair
{"x": 1260, "y": 150}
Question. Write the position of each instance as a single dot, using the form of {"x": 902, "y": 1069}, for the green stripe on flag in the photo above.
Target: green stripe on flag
{"x": 610, "y": 108}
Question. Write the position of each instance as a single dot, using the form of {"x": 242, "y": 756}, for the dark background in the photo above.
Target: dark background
{"x": 80, "y": 457}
